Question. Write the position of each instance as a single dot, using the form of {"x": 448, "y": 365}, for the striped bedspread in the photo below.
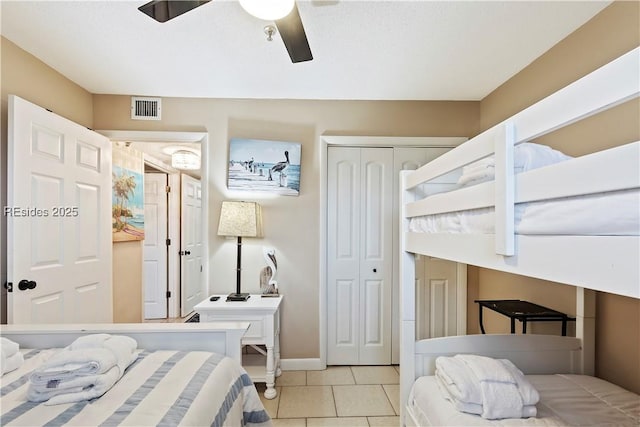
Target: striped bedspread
{"x": 163, "y": 388}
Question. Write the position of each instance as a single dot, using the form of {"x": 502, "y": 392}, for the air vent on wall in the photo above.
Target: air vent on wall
{"x": 143, "y": 108}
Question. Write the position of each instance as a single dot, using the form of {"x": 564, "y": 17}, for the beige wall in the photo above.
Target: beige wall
{"x": 26, "y": 76}
{"x": 291, "y": 223}
{"x": 608, "y": 35}
{"x": 127, "y": 282}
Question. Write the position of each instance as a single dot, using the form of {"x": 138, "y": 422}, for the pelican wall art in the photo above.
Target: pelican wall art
{"x": 260, "y": 165}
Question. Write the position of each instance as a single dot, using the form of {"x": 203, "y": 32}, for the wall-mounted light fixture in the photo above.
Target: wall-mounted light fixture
{"x": 185, "y": 160}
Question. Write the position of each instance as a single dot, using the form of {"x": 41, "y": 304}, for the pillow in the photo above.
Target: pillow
{"x": 526, "y": 156}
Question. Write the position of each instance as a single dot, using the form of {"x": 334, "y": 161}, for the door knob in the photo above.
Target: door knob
{"x": 187, "y": 252}
{"x": 24, "y": 284}
{"x": 375, "y": 270}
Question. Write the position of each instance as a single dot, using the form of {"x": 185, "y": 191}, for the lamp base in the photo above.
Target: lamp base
{"x": 238, "y": 297}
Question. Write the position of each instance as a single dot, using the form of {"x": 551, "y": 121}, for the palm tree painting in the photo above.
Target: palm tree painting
{"x": 259, "y": 165}
{"x": 127, "y": 202}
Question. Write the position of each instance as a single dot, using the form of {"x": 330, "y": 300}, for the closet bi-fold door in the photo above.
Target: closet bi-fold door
{"x": 360, "y": 196}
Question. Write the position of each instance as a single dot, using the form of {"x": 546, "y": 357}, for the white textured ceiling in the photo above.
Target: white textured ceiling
{"x": 381, "y": 50}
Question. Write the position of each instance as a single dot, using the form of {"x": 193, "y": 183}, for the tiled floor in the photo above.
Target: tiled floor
{"x": 342, "y": 396}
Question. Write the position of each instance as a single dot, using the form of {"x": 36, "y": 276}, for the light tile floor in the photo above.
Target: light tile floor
{"x": 340, "y": 396}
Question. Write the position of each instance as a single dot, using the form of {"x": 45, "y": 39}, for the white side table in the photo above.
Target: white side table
{"x": 264, "y": 316}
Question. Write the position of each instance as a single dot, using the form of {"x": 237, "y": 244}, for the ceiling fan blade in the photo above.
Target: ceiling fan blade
{"x": 294, "y": 38}
{"x": 164, "y": 10}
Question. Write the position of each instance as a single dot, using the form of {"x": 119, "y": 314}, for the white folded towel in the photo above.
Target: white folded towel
{"x": 86, "y": 369}
{"x": 75, "y": 389}
{"x": 495, "y": 386}
{"x": 11, "y": 358}
{"x": 67, "y": 364}
{"x": 458, "y": 380}
{"x": 473, "y": 408}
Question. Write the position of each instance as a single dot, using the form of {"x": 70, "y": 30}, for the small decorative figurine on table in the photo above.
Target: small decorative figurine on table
{"x": 268, "y": 284}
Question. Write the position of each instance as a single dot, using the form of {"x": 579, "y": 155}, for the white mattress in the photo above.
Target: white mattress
{"x": 565, "y": 400}
{"x": 612, "y": 214}
{"x": 161, "y": 388}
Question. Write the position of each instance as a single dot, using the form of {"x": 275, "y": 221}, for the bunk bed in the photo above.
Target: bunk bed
{"x": 590, "y": 257}
{"x": 183, "y": 374}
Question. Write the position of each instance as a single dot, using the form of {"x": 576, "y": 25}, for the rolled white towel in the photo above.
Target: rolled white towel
{"x": 123, "y": 347}
{"x": 89, "y": 341}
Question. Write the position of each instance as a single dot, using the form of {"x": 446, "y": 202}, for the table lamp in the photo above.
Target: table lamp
{"x": 240, "y": 219}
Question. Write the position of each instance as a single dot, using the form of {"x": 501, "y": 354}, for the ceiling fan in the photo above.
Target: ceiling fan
{"x": 289, "y": 26}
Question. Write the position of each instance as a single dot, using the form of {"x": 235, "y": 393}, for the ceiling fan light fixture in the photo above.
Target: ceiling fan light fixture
{"x": 185, "y": 160}
{"x": 268, "y": 10}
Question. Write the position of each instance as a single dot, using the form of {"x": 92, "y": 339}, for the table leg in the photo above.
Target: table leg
{"x": 480, "y": 319}
{"x": 564, "y": 327}
{"x": 513, "y": 325}
{"x": 524, "y": 326}
{"x": 270, "y": 392}
{"x": 277, "y": 356}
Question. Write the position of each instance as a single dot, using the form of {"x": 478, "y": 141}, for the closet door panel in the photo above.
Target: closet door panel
{"x": 376, "y": 262}
{"x": 343, "y": 256}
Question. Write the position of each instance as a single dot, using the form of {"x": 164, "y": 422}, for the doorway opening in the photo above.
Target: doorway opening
{"x": 175, "y": 249}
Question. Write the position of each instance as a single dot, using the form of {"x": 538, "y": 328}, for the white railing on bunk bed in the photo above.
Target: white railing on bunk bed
{"x": 605, "y": 263}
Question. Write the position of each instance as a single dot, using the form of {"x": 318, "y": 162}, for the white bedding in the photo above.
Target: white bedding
{"x": 565, "y": 400}
{"x": 614, "y": 213}
{"x": 167, "y": 388}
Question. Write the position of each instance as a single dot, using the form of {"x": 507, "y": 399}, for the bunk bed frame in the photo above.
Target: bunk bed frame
{"x": 612, "y": 261}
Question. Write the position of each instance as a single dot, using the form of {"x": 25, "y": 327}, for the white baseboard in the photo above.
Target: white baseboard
{"x": 300, "y": 365}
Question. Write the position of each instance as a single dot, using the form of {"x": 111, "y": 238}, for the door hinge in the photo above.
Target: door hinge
{"x": 168, "y": 189}
{"x": 168, "y": 241}
{"x": 168, "y": 294}
{"x": 8, "y": 286}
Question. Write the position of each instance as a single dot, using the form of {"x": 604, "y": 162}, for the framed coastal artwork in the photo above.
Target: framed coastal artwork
{"x": 127, "y": 200}
{"x": 260, "y": 165}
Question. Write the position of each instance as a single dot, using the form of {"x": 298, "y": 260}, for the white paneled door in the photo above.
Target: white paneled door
{"x": 437, "y": 293}
{"x": 191, "y": 242}
{"x": 155, "y": 246}
{"x": 404, "y": 158}
{"x": 58, "y": 219}
{"x": 359, "y": 263}
{"x": 362, "y": 253}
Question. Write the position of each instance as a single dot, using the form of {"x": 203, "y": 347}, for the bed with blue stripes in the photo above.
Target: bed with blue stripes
{"x": 161, "y": 388}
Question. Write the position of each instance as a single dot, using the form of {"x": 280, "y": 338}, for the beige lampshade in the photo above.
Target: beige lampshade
{"x": 242, "y": 219}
